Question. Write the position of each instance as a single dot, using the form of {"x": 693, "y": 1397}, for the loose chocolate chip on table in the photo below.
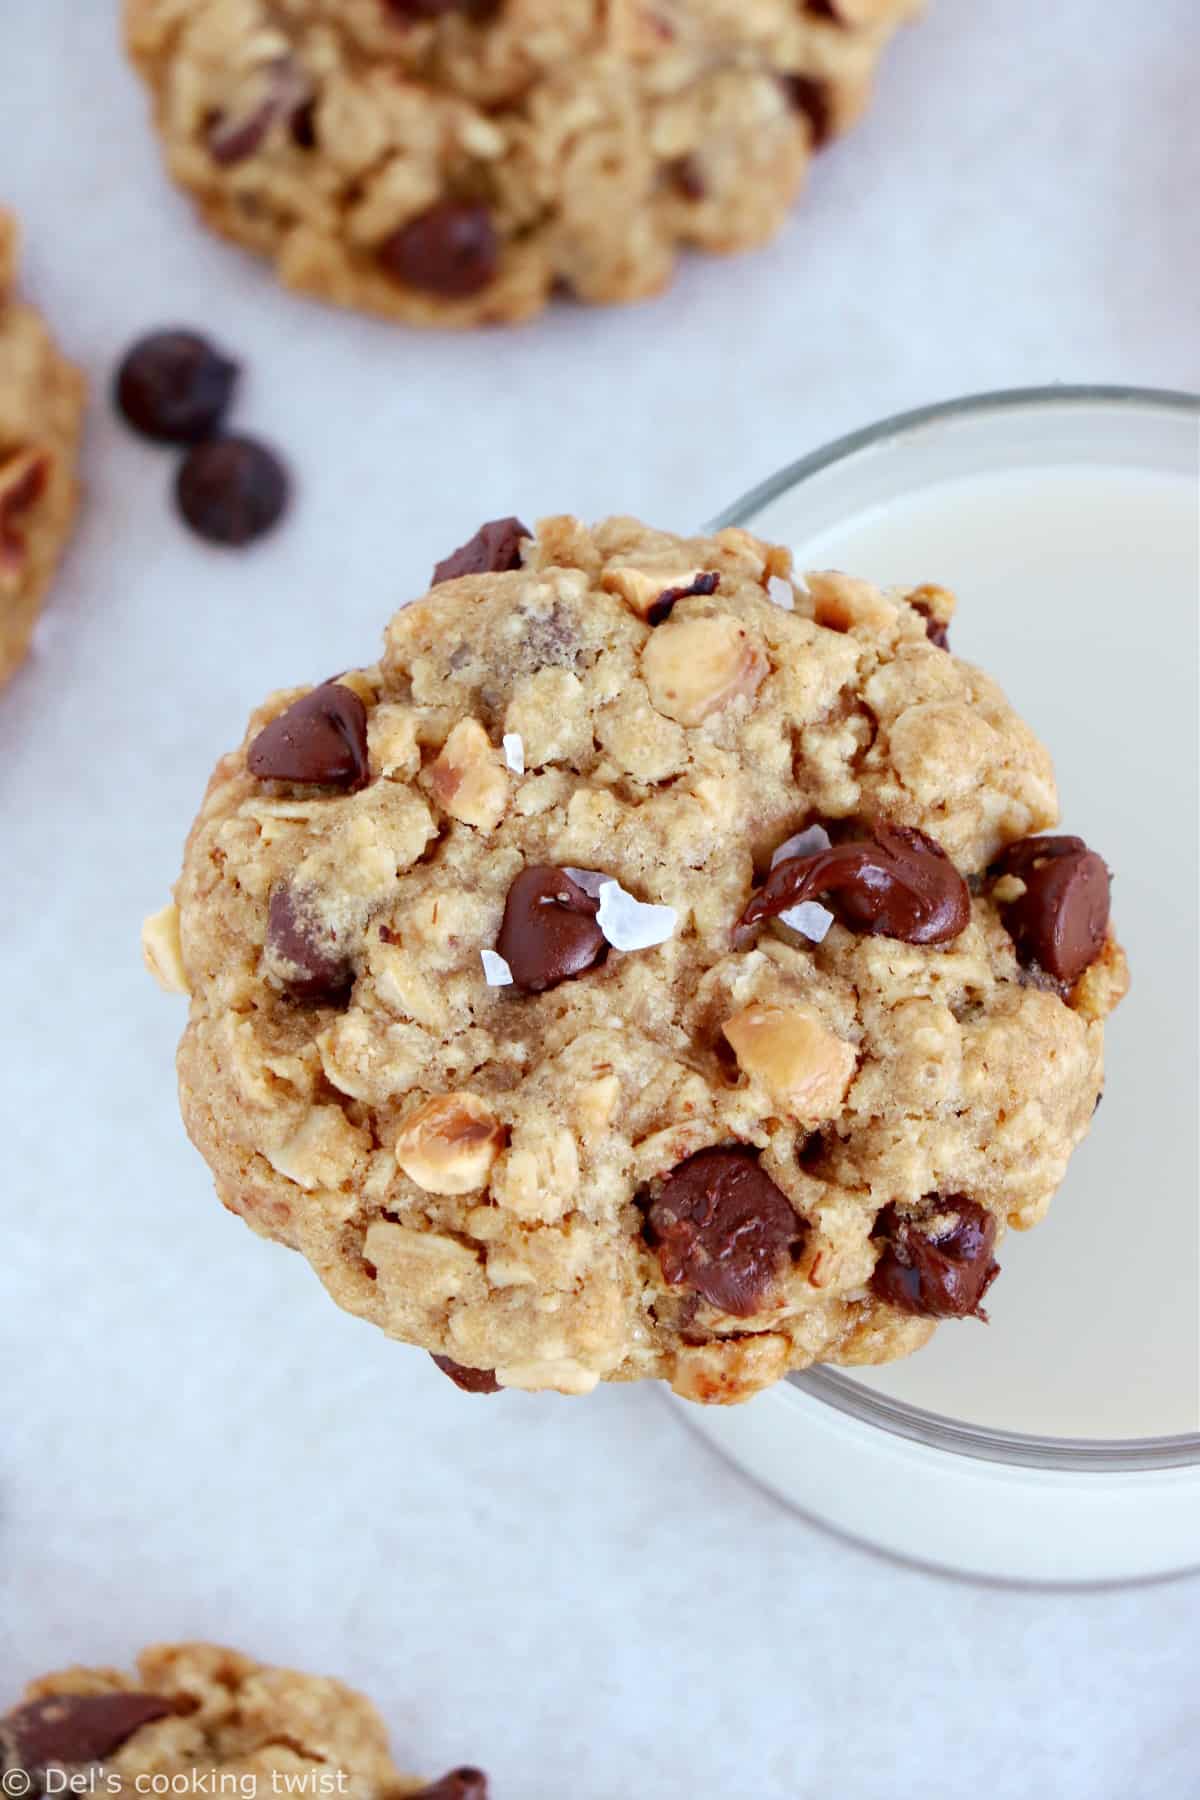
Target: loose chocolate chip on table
{"x": 74, "y": 1729}
{"x": 1060, "y": 922}
{"x": 811, "y": 97}
{"x": 459, "y": 1784}
{"x": 320, "y": 739}
{"x": 495, "y": 548}
{"x": 175, "y": 387}
{"x": 890, "y": 882}
{"x": 549, "y": 931}
{"x": 724, "y": 1229}
{"x": 942, "y": 1275}
{"x": 231, "y": 490}
{"x": 662, "y": 608}
{"x": 471, "y": 1381}
{"x": 313, "y": 965}
{"x": 452, "y": 250}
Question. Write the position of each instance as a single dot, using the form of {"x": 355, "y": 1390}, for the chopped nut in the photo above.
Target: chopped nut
{"x": 449, "y": 1144}
{"x": 162, "y": 952}
{"x": 322, "y": 1151}
{"x": 840, "y": 602}
{"x": 800, "y": 1063}
{"x": 595, "y": 1104}
{"x": 642, "y": 588}
{"x": 694, "y": 667}
{"x": 421, "y": 1263}
{"x": 468, "y": 779}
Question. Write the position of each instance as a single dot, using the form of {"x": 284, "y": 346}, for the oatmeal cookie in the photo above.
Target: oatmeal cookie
{"x": 453, "y": 162}
{"x": 197, "y": 1718}
{"x": 649, "y": 968}
{"x": 41, "y": 414}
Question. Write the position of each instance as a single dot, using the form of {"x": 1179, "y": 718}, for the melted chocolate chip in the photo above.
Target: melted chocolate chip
{"x": 935, "y": 631}
{"x": 495, "y": 548}
{"x": 549, "y": 931}
{"x": 459, "y": 1784}
{"x": 321, "y": 739}
{"x": 231, "y": 490}
{"x": 812, "y": 98}
{"x": 174, "y": 387}
{"x": 471, "y": 1381}
{"x": 311, "y": 963}
{"x": 724, "y": 1229}
{"x": 452, "y": 250}
{"x": 73, "y": 1729}
{"x": 894, "y": 882}
{"x": 942, "y": 1273}
{"x": 662, "y": 608}
{"x": 1060, "y": 922}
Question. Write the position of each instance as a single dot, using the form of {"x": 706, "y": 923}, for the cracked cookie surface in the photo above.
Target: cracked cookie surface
{"x": 41, "y": 414}
{"x": 501, "y": 1015}
{"x": 448, "y": 163}
{"x": 200, "y": 1718}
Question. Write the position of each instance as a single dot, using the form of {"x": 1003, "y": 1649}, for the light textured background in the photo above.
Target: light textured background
{"x": 192, "y": 1440}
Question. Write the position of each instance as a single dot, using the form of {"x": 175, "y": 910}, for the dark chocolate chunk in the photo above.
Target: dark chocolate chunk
{"x": 231, "y": 490}
{"x": 471, "y": 1381}
{"x": 286, "y": 92}
{"x": 452, "y": 250}
{"x": 309, "y": 960}
{"x": 687, "y": 177}
{"x": 892, "y": 882}
{"x": 549, "y": 931}
{"x": 495, "y": 548}
{"x": 74, "y": 1729}
{"x": 935, "y": 631}
{"x": 175, "y": 387}
{"x": 724, "y": 1229}
{"x": 940, "y": 1273}
{"x": 661, "y": 609}
{"x": 321, "y": 739}
{"x": 1060, "y": 922}
{"x": 811, "y": 97}
{"x": 410, "y": 12}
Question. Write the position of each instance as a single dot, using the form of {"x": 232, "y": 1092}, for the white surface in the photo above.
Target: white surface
{"x": 194, "y": 1441}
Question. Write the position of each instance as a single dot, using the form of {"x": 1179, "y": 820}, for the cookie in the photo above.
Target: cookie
{"x": 41, "y": 417}
{"x": 455, "y": 162}
{"x": 649, "y": 968}
{"x": 202, "y": 1720}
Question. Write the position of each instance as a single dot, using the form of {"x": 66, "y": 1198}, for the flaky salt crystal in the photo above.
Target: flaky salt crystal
{"x": 514, "y": 751}
{"x": 496, "y": 971}
{"x": 588, "y": 880}
{"x": 781, "y": 592}
{"x": 805, "y": 843}
{"x": 631, "y": 924}
{"x": 808, "y": 918}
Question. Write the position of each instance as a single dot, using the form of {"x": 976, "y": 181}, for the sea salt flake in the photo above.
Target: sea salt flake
{"x": 631, "y": 924}
{"x": 781, "y": 592}
{"x": 809, "y": 919}
{"x": 588, "y": 880}
{"x": 496, "y": 971}
{"x": 805, "y": 843}
{"x": 514, "y": 751}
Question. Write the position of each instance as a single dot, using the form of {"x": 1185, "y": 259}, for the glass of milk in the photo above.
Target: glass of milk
{"x": 1060, "y": 1443}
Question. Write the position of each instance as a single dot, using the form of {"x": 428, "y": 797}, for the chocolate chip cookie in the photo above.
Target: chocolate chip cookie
{"x": 655, "y": 966}
{"x": 454, "y": 162}
{"x": 197, "y": 1719}
{"x": 41, "y": 413}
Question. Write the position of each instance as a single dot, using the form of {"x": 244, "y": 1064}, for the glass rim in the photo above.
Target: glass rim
{"x": 1178, "y": 402}
{"x": 830, "y": 1387}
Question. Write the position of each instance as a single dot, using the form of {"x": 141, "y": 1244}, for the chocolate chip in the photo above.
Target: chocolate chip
{"x": 321, "y": 739}
{"x": 935, "y": 631}
{"x": 311, "y": 963}
{"x": 893, "y": 882}
{"x": 452, "y": 250}
{"x": 940, "y": 1272}
{"x": 175, "y": 387}
{"x": 549, "y": 931}
{"x": 471, "y": 1381}
{"x": 724, "y": 1229}
{"x": 410, "y": 11}
{"x": 286, "y": 91}
{"x": 73, "y": 1729}
{"x": 812, "y": 98}
{"x": 231, "y": 490}
{"x": 495, "y": 548}
{"x": 1060, "y": 922}
{"x": 687, "y": 177}
{"x": 459, "y": 1784}
{"x": 661, "y": 609}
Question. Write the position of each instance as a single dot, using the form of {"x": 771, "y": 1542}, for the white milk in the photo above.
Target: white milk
{"x": 1079, "y": 591}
